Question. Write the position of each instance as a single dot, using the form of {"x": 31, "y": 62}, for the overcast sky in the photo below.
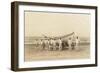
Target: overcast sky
{"x": 56, "y": 24}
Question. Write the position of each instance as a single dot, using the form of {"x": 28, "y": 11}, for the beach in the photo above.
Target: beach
{"x": 33, "y": 53}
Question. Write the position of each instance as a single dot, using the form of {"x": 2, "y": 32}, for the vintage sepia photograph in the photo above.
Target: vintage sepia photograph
{"x": 52, "y": 35}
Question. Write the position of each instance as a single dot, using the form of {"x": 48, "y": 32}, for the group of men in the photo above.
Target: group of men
{"x": 49, "y": 44}
{"x": 57, "y": 44}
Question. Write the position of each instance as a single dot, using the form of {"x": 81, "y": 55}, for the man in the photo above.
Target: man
{"x": 73, "y": 43}
{"x": 59, "y": 41}
{"x": 77, "y": 43}
{"x": 46, "y": 44}
{"x": 52, "y": 44}
{"x": 69, "y": 43}
{"x": 41, "y": 43}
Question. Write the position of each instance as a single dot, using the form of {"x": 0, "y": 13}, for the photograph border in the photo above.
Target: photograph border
{"x": 15, "y": 34}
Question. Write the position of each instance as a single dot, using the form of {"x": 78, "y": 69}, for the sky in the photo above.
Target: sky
{"x": 56, "y": 24}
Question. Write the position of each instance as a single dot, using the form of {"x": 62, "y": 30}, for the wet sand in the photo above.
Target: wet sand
{"x": 33, "y": 53}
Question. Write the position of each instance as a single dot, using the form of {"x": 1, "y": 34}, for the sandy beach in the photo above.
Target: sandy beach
{"x": 33, "y": 53}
